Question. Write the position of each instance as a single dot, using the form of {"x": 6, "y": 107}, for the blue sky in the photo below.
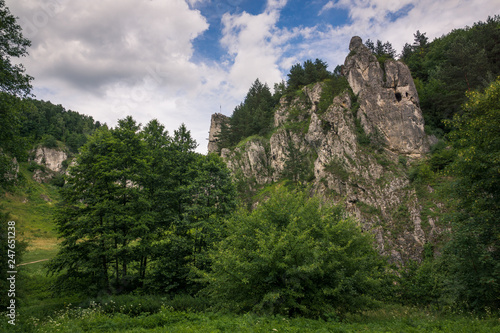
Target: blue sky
{"x": 181, "y": 60}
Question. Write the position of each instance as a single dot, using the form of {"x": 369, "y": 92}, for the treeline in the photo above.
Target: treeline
{"x": 445, "y": 69}
{"x": 255, "y": 116}
{"x": 45, "y": 122}
{"x": 25, "y": 123}
{"x": 143, "y": 213}
{"x": 139, "y": 208}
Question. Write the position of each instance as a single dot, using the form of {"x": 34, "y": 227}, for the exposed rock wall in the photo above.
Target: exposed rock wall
{"x": 215, "y": 127}
{"x": 388, "y": 100}
{"x": 52, "y": 159}
{"x": 369, "y": 179}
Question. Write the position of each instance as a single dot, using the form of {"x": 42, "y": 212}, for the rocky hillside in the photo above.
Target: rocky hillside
{"x": 353, "y": 146}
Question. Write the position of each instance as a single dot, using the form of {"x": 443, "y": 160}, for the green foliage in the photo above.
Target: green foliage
{"x": 463, "y": 60}
{"x": 58, "y": 180}
{"x": 401, "y": 213}
{"x": 373, "y": 140}
{"x": 337, "y": 168}
{"x": 420, "y": 284}
{"x": 12, "y": 45}
{"x": 381, "y": 50}
{"x": 9, "y": 240}
{"x": 441, "y": 156}
{"x": 252, "y": 117}
{"x": 12, "y": 145}
{"x": 43, "y": 121}
{"x": 473, "y": 254}
{"x": 293, "y": 255}
{"x": 421, "y": 173}
{"x": 298, "y": 163}
{"x": 49, "y": 141}
{"x": 332, "y": 87}
{"x": 32, "y": 166}
{"x": 388, "y": 319}
{"x": 403, "y": 161}
{"x": 310, "y": 72}
{"x": 133, "y": 196}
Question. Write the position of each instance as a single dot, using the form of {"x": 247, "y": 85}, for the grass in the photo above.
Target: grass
{"x": 391, "y": 318}
{"x": 31, "y": 206}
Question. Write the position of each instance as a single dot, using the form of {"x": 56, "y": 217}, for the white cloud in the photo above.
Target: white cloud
{"x": 329, "y": 5}
{"x": 98, "y": 43}
{"x": 113, "y": 58}
{"x": 255, "y": 45}
{"x": 391, "y": 20}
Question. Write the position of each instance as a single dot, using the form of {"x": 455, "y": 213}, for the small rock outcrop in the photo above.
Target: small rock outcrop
{"x": 389, "y": 104}
{"x": 50, "y": 158}
{"x": 215, "y": 127}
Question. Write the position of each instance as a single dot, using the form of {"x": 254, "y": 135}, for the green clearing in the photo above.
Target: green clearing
{"x": 31, "y": 206}
{"x": 168, "y": 319}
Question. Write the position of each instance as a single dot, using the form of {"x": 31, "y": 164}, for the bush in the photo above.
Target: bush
{"x": 58, "y": 180}
{"x": 32, "y": 166}
{"x": 420, "y": 284}
{"x": 294, "y": 255}
{"x": 49, "y": 141}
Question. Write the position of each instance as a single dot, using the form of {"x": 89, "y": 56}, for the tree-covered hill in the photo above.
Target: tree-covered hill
{"x": 446, "y": 68}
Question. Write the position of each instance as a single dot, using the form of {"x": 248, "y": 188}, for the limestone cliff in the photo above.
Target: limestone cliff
{"x": 388, "y": 100}
{"x": 369, "y": 175}
{"x": 52, "y": 159}
{"x": 215, "y": 127}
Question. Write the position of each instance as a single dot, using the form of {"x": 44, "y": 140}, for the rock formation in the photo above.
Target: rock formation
{"x": 369, "y": 176}
{"x": 52, "y": 159}
{"x": 388, "y": 100}
{"x": 215, "y": 126}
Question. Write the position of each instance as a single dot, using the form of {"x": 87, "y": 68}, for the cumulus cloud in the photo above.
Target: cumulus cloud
{"x": 255, "y": 45}
{"x": 92, "y": 44}
{"x": 111, "y": 58}
{"x": 390, "y": 20}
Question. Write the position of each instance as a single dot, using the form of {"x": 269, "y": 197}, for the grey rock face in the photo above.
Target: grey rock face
{"x": 215, "y": 127}
{"x": 249, "y": 162}
{"x": 51, "y": 158}
{"x": 372, "y": 183}
{"x": 389, "y": 104}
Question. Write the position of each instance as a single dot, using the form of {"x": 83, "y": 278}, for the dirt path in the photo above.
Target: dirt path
{"x": 33, "y": 262}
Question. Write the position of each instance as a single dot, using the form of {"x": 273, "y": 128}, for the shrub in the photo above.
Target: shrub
{"x": 32, "y": 166}
{"x": 294, "y": 255}
{"x": 420, "y": 283}
{"x": 58, "y": 180}
{"x": 49, "y": 141}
